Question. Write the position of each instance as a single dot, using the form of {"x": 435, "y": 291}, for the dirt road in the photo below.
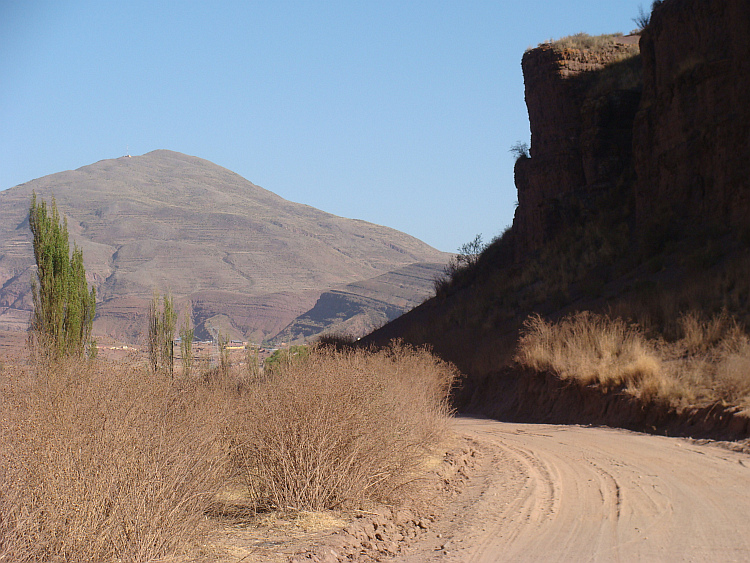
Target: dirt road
{"x": 567, "y": 493}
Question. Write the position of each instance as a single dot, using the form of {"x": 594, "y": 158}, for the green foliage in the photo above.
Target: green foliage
{"x": 642, "y": 19}
{"x": 464, "y": 261}
{"x": 468, "y": 253}
{"x": 337, "y": 341}
{"x": 93, "y": 349}
{"x": 224, "y": 362}
{"x": 186, "y": 346}
{"x": 63, "y": 306}
{"x": 162, "y": 321}
{"x": 285, "y": 357}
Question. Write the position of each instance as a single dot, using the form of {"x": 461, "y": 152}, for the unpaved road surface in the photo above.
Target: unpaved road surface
{"x": 568, "y": 493}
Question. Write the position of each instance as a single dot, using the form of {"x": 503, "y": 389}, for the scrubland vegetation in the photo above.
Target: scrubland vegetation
{"x": 103, "y": 462}
{"x": 584, "y": 41}
{"x": 583, "y": 44}
{"x": 336, "y": 428}
{"x": 112, "y": 462}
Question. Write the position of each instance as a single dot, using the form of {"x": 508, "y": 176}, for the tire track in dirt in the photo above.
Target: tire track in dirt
{"x": 571, "y": 493}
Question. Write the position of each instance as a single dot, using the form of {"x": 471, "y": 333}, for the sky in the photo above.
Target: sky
{"x": 401, "y": 113}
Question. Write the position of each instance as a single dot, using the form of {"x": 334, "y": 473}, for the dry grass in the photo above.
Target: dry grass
{"x": 709, "y": 362}
{"x": 340, "y": 427}
{"x": 712, "y": 357}
{"x": 104, "y": 463}
{"x": 595, "y": 349}
{"x": 595, "y": 44}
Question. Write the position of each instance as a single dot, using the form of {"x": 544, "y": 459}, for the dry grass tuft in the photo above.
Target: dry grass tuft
{"x": 713, "y": 354}
{"x": 589, "y": 348}
{"x": 594, "y": 44}
{"x": 700, "y": 335}
{"x": 100, "y": 462}
{"x": 709, "y": 362}
{"x": 340, "y": 427}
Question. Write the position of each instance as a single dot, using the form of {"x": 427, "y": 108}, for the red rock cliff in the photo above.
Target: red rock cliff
{"x": 682, "y": 128}
{"x": 581, "y": 124}
{"x": 692, "y": 132}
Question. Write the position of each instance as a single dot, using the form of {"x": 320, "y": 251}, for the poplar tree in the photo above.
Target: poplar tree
{"x": 186, "y": 346}
{"x": 64, "y": 308}
{"x": 161, "y": 325}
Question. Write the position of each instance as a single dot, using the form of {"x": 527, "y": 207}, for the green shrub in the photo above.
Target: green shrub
{"x": 162, "y": 319}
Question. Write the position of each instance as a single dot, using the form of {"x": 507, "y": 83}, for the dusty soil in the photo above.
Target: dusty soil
{"x": 572, "y": 493}
{"x": 535, "y": 492}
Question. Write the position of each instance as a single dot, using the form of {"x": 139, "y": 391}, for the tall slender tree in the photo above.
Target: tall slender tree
{"x": 186, "y": 345}
{"x": 64, "y": 308}
{"x": 161, "y": 325}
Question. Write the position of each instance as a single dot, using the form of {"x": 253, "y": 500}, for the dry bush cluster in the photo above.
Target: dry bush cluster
{"x": 595, "y": 349}
{"x": 110, "y": 462}
{"x": 104, "y": 464}
{"x": 711, "y": 358}
{"x": 709, "y": 361}
{"x": 339, "y": 427}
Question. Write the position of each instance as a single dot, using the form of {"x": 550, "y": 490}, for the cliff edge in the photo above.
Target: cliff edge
{"x": 633, "y": 201}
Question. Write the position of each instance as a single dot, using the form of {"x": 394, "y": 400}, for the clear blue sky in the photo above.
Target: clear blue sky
{"x": 396, "y": 112}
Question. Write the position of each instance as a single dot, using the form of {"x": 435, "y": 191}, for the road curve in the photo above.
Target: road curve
{"x": 570, "y": 493}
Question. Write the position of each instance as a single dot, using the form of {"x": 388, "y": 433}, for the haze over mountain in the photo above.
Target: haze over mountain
{"x": 242, "y": 259}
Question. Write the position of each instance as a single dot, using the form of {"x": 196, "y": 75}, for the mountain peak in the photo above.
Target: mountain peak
{"x": 173, "y": 222}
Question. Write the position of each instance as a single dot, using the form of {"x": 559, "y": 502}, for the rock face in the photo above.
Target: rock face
{"x": 580, "y": 131}
{"x": 671, "y": 128}
{"x": 692, "y": 132}
{"x": 633, "y": 163}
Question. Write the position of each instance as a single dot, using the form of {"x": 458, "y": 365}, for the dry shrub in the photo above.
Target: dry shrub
{"x": 336, "y": 340}
{"x": 340, "y": 427}
{"x": 595, "y": 349}
{"x": 105, "y": 462}
{"x": 102, "y": 462}
{"x": 584, "y": 41}
{"x": 733, "y": 373}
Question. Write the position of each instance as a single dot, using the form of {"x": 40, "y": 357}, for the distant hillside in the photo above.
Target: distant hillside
{"x": 359, "y": 307}
{"x": 240, "y": 258}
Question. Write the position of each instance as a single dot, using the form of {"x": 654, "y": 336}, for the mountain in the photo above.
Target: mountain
{"x": 241, "y": 259}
